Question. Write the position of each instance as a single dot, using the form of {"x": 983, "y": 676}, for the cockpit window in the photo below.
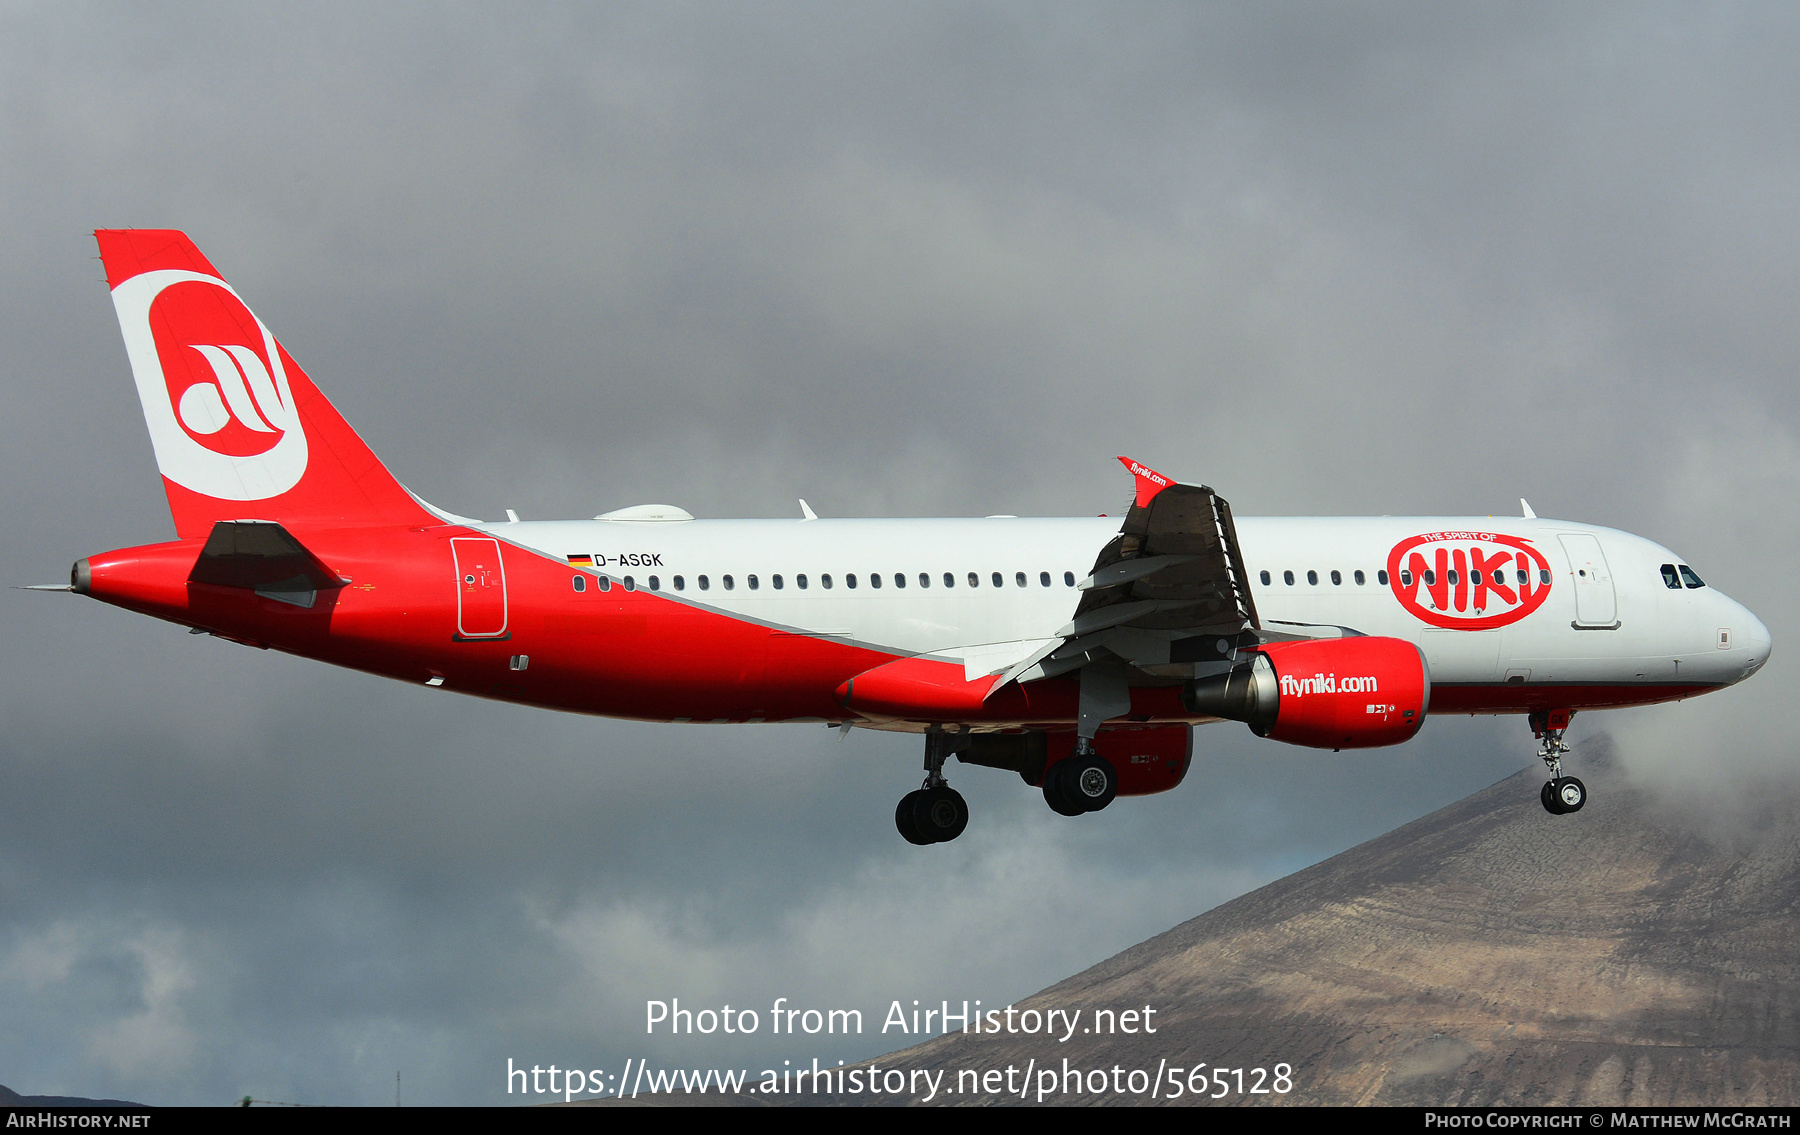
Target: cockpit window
{"x": 1671, "y": 579}
{"x": 1688, "y": 577}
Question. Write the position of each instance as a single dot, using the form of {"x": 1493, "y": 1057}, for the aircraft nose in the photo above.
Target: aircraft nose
{"x": 1756, "y": 637}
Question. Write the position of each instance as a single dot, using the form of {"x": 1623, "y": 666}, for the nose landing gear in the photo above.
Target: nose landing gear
{"x": 934, "y": 812}
{"x": 1561, "y": 794}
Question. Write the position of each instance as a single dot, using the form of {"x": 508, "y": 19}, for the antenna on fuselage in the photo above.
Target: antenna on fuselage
{"x": 806, "y": 512}
{"x": 1525, "y": 507}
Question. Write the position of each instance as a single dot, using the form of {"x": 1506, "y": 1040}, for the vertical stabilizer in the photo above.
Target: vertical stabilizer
{"x": 239, "y": 430}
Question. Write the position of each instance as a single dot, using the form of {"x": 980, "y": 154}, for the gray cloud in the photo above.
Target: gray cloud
{"x": 911, "y": 260}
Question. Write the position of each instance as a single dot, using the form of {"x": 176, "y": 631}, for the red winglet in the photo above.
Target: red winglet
{"x": 1149, "y": 481}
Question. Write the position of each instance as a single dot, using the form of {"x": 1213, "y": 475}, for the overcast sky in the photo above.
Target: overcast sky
{"x": 899, "y": 260}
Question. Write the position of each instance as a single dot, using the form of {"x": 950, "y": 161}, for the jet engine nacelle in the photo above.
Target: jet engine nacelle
{"x": 1339, "y": 693}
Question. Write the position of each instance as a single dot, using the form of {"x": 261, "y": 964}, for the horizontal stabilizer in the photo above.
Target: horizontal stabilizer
{"x": 262, "y": 556}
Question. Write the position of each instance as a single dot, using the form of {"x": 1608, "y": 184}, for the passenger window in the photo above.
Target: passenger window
{"x": 1337, "y": 578}
{"x": 753, "y": 582}
{"x": 874, "y": 580}
{"x": 1043, "y": 579}
{"x": 1454, "y": 578}
{"x": 1312, "y": 577}
{"x": 1405, "y": 578}
{"x": 1019, "y": 578}
{"x": 1671, "y": 577}
{"x": 1381, "y": 577}
{"x": 1544, "y": 576}
{"x": 729, "y": 583}
{"x": 680, "y": 584}
{"x": 1287, "y": 577}
{"x": 949, "y": 579}
{"x": 1475, "y": 577}
{"x": 1068, "y": 579}
{"x": 849, "y": 580}
{"x": 899, "y": 580}
{"x": 1430, "y": 577}
{"x": 1522, "y": 576}
{"x": 1688, "y": 577}
{"x": 800, "y": 582}
{"x": 705, "y": 583}
{"x": 1265, "y": 578}
{"x": 974, "y": 580}
{"x": 605, "y": 584}
{"x": 776, "y": 582}
{"x": 824, "y": 581}
{"x": 924, "y": 579}
{"x": 579, "y": 583}
{"x": 630, "y": 584}
{"x": 998, "y": 580}
{"x": 655, "y": 584}
{"x": 1359, "y": 577}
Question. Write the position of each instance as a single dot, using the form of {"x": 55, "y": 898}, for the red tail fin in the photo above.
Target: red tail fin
{"x": 240, "y": 432}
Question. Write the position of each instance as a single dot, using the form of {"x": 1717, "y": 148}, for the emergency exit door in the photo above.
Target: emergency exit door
{"x": 480, "y": 588}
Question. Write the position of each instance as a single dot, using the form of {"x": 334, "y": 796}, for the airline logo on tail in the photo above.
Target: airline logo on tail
{"x": 213, "y": 384}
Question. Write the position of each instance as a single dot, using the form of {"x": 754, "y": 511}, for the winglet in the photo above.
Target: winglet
{"x": 1149, "y": 481}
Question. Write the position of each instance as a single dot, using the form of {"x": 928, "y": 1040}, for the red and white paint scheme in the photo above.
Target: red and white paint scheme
{"x": 1078, "y": 653}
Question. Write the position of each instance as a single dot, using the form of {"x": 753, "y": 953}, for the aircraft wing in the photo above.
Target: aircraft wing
{"x": 1169, "y": 589}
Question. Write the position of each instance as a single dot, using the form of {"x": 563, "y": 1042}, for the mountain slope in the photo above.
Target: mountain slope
{"x": 1487, "y": 953}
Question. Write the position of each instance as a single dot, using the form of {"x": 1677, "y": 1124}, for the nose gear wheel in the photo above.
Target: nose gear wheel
{"x": 1560, "y": 794}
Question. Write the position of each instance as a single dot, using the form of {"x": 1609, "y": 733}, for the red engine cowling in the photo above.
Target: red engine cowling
{"x": 1339, "y": 693}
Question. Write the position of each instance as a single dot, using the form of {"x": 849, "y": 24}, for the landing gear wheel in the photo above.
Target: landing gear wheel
{"x": 1092, "y": 783}
{"x": 939, "y": 814}
{"x": 904, "y": 817}
{"x": 1056, "y": 794}
{"x": 1080, "y": 784}
{"x": 1548, "y": 798}
{"x": 1570, "y": 794}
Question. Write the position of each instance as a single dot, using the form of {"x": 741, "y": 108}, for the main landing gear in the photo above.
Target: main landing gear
{"x": 1561, "y": 794}
{"x": 1085, "y": 782}
{"x": 934, "y": 812}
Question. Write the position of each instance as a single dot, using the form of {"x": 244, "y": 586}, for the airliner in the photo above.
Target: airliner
{"x": 1077, "y": 653}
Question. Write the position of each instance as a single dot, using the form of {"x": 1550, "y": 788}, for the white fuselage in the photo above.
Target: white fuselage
{"x": 947, "y": 585}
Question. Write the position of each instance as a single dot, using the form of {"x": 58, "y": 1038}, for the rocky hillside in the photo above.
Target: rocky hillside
{"x": 1487, "y": 953}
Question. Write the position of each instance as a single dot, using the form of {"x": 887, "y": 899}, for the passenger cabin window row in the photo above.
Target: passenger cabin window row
{"x": 825, "y": 580}
{"x": 1476, "y": 577}
{"x": 1337, "y": 578}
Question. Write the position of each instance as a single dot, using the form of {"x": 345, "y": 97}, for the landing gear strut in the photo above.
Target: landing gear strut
{"x": 1562, "y": 794}
{"x": 934, "y": 812}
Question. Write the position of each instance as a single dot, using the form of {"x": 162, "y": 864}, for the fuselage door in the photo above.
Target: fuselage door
{"x": 480, "y": 588}
{"x": 1595, "y": 603}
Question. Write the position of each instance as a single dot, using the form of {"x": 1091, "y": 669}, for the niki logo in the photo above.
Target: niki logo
{"x": 213, "y": 384}
{"x": 1468, "y": 581}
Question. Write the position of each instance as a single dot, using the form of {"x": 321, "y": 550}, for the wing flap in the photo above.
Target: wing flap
{"x": 1175, "y": 566}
